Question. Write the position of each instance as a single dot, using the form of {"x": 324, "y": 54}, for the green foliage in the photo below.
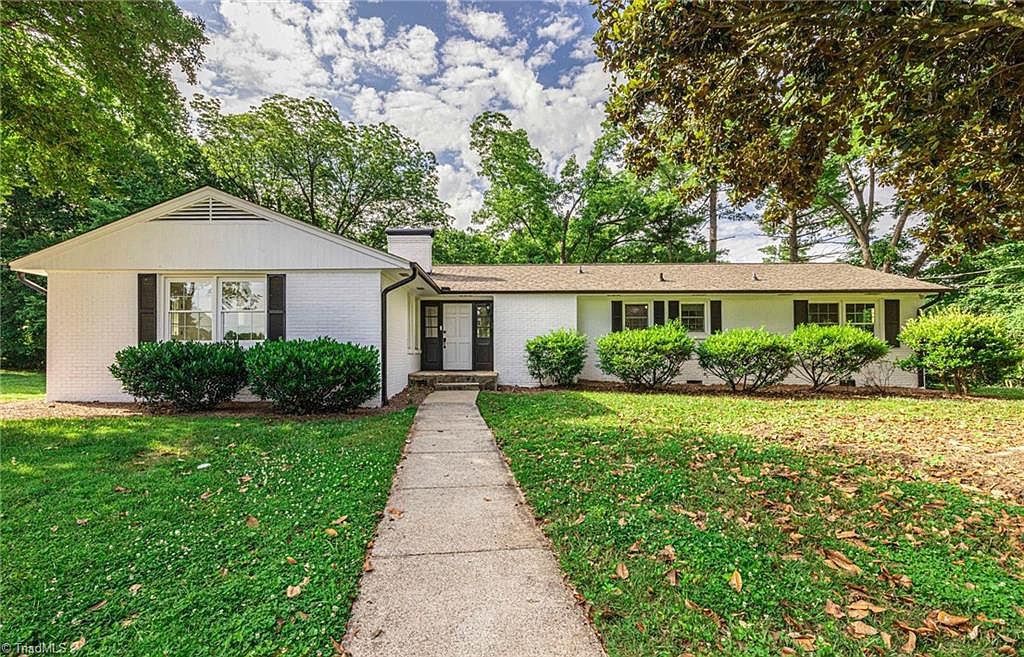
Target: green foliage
{"x": 311, "y": 376}
{"x": 827, "y": 355}
{"x": 458, "y": 247}
{"x": 961, "y": 349}
{"x": 118, "y": 510}
{"x": 83, "y": 83}
{"x": 730, "y": 484}
{"x": 597, "y": 212}
{"x": 186, "y": 375}
{"x": 761, "y": 95}
{"x": 645, "y": 358}
{"x": 746, "y": 358}
{"x": 557, "y": 356}
{"x": 300, "y": 158}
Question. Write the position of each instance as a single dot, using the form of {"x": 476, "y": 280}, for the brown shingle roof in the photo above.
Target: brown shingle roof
{"x": 717, "y": 277}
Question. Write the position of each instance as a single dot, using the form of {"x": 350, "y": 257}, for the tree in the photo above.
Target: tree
{"x": 83, "y": 83}
{"x": 597, "y": 212}
{"x": 300, "y": 158}
{"x": 766, "y": 92}
{"x": 453, "y": 246}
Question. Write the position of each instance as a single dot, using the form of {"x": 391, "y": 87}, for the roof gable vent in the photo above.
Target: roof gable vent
{"x": 210, "y": 209}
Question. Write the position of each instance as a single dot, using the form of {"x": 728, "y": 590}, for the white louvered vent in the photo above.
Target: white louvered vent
{"x": 210, "y": 209}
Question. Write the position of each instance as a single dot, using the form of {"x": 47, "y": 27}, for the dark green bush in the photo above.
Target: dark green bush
{"x": 310, "y": 376}
{"x": 645, "y": 358}
{"x": 557, "y": 357}
{"x": 746, "y": 358}
{"x": 827, "y": 355}
{"x": 961, "y": 349}
{"x": 186, "y": 375}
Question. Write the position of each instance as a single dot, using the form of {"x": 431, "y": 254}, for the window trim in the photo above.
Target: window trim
{"x": 649, "y": 307}
{"x": 705, "y": 305}
{"x": 164, "y": 294}
{"x": 705, "y": 302}
{"x": 843, "y": 302}
{"x": 840, "y": 310}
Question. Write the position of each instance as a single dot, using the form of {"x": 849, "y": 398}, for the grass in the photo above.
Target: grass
{"x": 17, "y": 386}
{"x": 117, "y": 531}
{"x": 615, "y": 478}
{"x": 999, "y": 392}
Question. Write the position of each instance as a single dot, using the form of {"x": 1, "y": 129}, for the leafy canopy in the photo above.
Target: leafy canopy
{"x": 83, "y": 83}
{"x": 760, "y": 95}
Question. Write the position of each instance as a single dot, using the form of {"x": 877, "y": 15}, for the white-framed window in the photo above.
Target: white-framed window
{"x": 823, "y": 314}
{"x": 206, "y": 309}
{"x": 635, "y": 315}
{"x": 861, "y": 315}
{"x": 691, "y": 316}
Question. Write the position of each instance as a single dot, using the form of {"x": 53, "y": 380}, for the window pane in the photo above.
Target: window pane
{"x": 824, "y": 314}
{"x": 245, "y": 325}
{"x": 191, "y": 295}
{"x": 191, "y": 326}
{"x": 691, "y": 316}
{"x": 243, "y": 295}
{"x": 861, "y": 315}
{"x": 636, "y": 315}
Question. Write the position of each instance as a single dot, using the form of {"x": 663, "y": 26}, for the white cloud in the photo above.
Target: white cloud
{"x": 583, "y": 49}
{"x": 561, "y": 29}
{"x": 486, "y": 25}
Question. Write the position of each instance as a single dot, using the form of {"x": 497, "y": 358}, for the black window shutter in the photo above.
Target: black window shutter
{"x": 616, "y": 316}
{"x": 275, "y": 306}
{"x": 799, "y": 313}
{"x": 659, "y": 313}
{"x": 673, "y": 310}
{"x": 716, "y": 316}
{"x": 147, "y": 308}
{"x": 892, "y": 322}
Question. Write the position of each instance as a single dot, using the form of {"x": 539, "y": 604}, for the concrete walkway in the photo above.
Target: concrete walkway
{"x": 459, "y": 567}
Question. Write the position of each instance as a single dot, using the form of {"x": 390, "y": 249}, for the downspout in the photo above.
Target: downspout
{"x": 32, "y": 285}
{"x": 414, "y": 270}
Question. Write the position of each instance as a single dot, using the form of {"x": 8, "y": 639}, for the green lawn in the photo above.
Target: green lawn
{"x": 1000, "y": 392}
{"x": 116, "y": 530}
{"x": 616, "y": 478}
{"x": 16, "y": 386}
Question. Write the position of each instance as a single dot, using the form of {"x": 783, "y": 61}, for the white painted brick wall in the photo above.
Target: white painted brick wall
{"x": 519, "y": 317}
{"x": 89, "y": 317}
{"x": 402, "y": 360}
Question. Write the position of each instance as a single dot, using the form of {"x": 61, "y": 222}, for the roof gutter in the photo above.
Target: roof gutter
{"x": 414, "y": 271}
{"x": 32, "y": 285}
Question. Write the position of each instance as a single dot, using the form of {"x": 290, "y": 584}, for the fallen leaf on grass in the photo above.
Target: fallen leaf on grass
{"x": 621, "y": 571}
{"x": 736, "y": 581}
{"x": 77, "y": 645}
{"x": 668, "y": 553}
{"x": 81, "y": 521}
{"x": 205, "y": 496}
{"x": 302, "y": 615}
{"x": 949, "y": 620}
{"x": 340, "y": 521}
{"x": 99, "y": 605}
{"x": 293, "y": 591}
{"x": 118, "y": 489}
{"x": 673, "y": 577}
{"x": 244, "y": 479}
{"x": 862, "y": 608}
{"x": 886, "y": 639}
{"x": 860, "y": 629}
{"x": 805, "y": 641}
{"x": 252, "y": 521}
{"x": 331, "y": 532}
{"x": 840, "y": 561}
{"x": 834, "y": 610}
{"x": 910, "y": 645}
{"x": 291, "y": 560}
{"x": 635, "y": 547}
{"x": 135, "y": 588}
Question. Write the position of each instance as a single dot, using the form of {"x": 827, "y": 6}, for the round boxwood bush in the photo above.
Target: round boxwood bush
{"x": 557, "y": 357}
{"x": 311, "y": 376}
{"x": 746, "y": 358}
{"x": 645, "y": 358}
{"x": 827, "y": 355}
{"x": 961, "y": 349}
{"x": 187, "y": 375}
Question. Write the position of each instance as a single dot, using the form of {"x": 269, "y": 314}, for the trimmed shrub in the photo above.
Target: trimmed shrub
{"x": 557, "y": 357}
{"x": 827, "y": 355}
{"x": 645, "y": 358}
{"x": 187, "y": 375}
{"x": 961, "y": 349}
{"x": 310, "y": 376}
{"x": 746, "y": 358}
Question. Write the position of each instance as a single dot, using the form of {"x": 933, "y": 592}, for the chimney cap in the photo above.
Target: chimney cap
{"x": 409, "y": 231}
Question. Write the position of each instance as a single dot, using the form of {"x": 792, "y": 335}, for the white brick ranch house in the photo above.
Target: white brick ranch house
{"x": 210, "y": 266}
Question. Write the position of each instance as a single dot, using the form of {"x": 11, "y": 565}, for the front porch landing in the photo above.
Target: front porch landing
{"x": 481, "y": 379}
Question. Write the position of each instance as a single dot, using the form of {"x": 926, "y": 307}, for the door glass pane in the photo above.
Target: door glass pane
{"x": 483, "y": 321}
{"x": 431, "y": 322}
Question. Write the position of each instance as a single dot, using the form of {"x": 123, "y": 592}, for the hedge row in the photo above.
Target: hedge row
{"x": 299, "y": 376}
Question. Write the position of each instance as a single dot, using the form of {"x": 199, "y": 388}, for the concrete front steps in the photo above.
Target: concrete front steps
{"x": 472, "y": 380}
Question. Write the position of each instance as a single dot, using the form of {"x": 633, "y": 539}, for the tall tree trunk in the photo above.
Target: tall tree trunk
{"x": 713, "y": 222}
{"x": 792, "y": 239}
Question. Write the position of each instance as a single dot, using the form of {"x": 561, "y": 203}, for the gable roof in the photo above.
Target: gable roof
{"x": 674, "y": 277}
{"x": 206, "y": 206}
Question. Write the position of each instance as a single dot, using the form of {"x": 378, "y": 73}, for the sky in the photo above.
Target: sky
{"x": 428, "y": 68}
